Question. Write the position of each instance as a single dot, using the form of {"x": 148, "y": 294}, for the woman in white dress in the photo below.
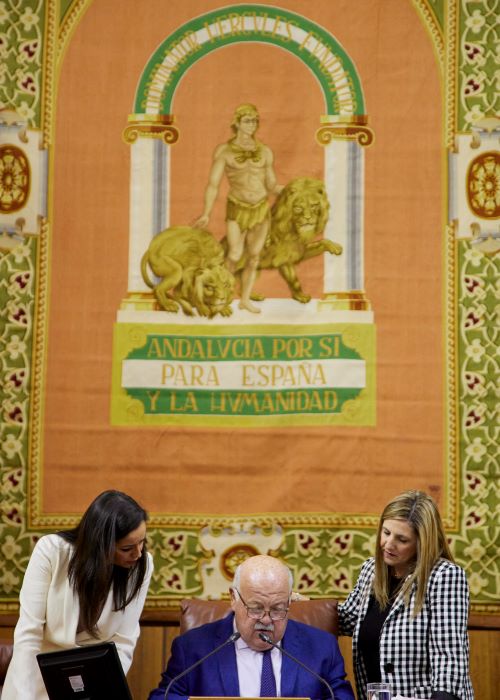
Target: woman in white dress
{"x": 82, "y": 586}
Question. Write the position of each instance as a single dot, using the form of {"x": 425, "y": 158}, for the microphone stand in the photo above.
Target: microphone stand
{"x": 229, "y": 640}
{"x": 266, "y": 638}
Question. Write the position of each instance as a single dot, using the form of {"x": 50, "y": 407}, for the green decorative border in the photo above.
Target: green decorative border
{"x": 324, "y": 550}
{"x": 437, "y": 7}
{"x": 22, "y": 27}
{"x": 249, "y": 36}
{"x": 476, "y": 547}
{"x": 479, "y": 72}
{"x": 17, "y": 300}
{"x": 432, "y": 14}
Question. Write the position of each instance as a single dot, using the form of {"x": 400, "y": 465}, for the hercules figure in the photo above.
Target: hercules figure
{"x": 248, "y": 165}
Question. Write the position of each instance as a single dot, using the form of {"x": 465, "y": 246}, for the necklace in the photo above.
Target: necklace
{"x": 242, "y": 154}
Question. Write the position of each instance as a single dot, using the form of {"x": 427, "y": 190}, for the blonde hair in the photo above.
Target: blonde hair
{"x": 244, "y": 110}
{"x": 421, "y": 513}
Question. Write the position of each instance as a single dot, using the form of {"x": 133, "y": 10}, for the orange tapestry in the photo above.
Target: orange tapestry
{"x": 306, "y": 483}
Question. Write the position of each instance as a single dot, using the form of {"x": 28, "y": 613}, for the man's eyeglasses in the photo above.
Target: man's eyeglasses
{"x": 257, "y": 613}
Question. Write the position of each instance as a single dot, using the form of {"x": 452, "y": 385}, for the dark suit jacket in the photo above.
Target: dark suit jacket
{"x": 218, "y": 675}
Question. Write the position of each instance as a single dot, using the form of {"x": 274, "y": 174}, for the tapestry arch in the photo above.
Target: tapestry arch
{"x": 342, "y": 131}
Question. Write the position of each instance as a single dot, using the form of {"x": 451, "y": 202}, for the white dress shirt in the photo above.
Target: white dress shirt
{"x": 249, "y": 663}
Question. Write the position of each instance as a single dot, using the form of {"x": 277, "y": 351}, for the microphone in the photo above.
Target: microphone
{"x": 229, "y": 640}
{"x": 266, "y": 638}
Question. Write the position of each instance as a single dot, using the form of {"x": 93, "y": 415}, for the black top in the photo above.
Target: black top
{"x": 370, "y": 629}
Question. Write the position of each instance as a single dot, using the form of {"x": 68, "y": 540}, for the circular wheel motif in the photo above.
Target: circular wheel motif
{"x": 483, "y": 185}
{"x": 234, "y": 556}
{"x": 14, "y": 179}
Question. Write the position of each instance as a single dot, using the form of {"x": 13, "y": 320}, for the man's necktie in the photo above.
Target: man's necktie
{"x": 267, "y": 680}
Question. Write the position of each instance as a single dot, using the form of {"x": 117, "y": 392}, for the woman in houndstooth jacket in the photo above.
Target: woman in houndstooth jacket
{"x": 408, "y": 612}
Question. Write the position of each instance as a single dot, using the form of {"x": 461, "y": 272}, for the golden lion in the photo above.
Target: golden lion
{"x": 191, "y": 263}
{"x": 299, "y": 215}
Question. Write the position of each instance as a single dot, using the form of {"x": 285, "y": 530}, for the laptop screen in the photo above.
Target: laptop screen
{"x": 85, "y": 673}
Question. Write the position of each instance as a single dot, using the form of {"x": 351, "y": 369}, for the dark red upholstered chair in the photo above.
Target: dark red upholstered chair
{"x": 317, "y": 613}
{"x": 6, "y": 648}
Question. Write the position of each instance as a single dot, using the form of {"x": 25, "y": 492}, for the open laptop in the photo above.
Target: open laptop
{"x": 91, "y": 672}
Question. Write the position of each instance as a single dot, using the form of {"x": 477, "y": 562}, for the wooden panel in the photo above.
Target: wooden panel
{"x": 149, "y": 659}
{"x": 484, "y": 663}
{"x": 345, "y": 644}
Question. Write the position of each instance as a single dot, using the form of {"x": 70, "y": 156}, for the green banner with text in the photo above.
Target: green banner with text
{"x": 313, "y": 374}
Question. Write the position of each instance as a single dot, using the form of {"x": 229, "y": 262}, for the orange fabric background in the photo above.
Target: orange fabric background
{"x": 181, "y": 470}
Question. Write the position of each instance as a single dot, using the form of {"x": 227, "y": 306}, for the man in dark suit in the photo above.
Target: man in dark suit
{"x": 250, "y": 667}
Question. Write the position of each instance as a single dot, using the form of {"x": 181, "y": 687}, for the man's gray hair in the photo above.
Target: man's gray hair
{"x": 236, "y": 578}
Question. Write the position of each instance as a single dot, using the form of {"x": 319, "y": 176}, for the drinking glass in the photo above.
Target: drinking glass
{"x": 379, "y": 691}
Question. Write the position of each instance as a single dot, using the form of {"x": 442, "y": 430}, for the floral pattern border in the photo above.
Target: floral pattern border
{"x": 479, "y": 61}
{"x": 324, "y": 558}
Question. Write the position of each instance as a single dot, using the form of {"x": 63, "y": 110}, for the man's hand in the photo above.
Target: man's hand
{"x": 202, "y": 222}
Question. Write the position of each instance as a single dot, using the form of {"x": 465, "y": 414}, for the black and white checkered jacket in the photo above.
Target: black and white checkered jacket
{"x": 421, "y": 655}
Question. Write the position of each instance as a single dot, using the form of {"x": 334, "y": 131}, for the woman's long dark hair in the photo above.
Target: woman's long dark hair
{"x": 109, "y": 518}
